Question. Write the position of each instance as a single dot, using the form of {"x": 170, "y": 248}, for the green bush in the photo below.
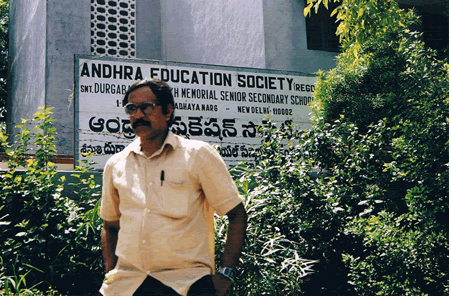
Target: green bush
{"x": 270, "y": 263}
{"x": 41, "y": 230}
{"x": 387, "y": 148}
{"x": 375, "y": 214}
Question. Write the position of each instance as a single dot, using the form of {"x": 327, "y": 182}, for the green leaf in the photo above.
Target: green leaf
{"x": 307, "y": 9}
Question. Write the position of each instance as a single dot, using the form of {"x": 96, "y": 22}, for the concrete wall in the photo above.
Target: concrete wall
{"x": 44, "y": 36}
{"x": 220, "y": 32}
{"x": 267, "y": 34}
{"x": 286, "y": 39}
{"x": 68, "y": 33}
{"x": 148, "y": 29}
{"x": 26, "y": 75}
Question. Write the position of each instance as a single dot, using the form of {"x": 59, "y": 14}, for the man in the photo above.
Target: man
{"x": 158, "y": 199}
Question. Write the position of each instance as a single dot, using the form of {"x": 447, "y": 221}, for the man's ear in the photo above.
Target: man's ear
{"x": 170, "y": 111}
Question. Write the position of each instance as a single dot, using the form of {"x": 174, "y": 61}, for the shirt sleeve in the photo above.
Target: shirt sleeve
{"x": 109, "y": 205}
{"x": 217, "y": 184}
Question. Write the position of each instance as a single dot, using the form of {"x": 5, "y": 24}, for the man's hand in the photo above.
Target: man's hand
{"x": 109, "y": 241}
{"x": 236, "y": 233}
{"x": 222, "y": 283}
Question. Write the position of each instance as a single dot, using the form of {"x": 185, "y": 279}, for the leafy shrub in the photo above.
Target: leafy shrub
{"x": 375, "y": 215}
{"x": 394, "y": 166}
{"x": 41, "y": 229}
{"x": 292, "y": 211}
{"x": 270, "y": 263}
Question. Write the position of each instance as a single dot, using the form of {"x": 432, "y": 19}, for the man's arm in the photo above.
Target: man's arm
{"x": 236, "y": 233}
{"x": 109, "y": 242}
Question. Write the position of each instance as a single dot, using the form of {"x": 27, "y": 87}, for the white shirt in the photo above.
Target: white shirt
{"x": 166, "y": 226}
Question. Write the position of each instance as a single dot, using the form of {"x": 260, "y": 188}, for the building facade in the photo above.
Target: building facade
{"x": 46, "y": 34}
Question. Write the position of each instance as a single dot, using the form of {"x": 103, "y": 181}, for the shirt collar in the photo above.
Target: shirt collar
{"x": 171, "y": 140}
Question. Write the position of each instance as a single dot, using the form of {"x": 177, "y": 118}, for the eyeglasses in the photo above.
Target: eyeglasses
{"x": 146, "y": 108}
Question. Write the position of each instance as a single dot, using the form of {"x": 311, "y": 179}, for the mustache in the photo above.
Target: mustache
{"x": 140, "y": 122}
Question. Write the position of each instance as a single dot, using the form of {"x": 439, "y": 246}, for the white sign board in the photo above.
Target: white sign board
{"x": 220, "y": 105}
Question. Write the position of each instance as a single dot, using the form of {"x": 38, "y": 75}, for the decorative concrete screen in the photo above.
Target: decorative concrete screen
{"x": 218, "y": 104}
{"x": 113, "y": 28}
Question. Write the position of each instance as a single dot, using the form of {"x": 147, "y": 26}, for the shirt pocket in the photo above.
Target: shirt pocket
{"x": 175, "y": 198}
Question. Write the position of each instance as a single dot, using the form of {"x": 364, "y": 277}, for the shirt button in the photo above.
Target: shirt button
{"x": 148, "y": 272}
{"x": 144, "y": 241}
{"x": 150, "y": 184}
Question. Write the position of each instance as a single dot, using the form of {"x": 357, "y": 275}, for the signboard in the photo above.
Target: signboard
{"x": 220, "y": 105}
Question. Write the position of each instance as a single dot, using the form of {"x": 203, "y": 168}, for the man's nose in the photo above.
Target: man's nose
{"x": 139, "y": 113}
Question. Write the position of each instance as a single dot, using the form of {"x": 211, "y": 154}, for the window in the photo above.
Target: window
{"x": 321, "y": 30}
{"x": 434, "y": 25}
{"x": 321, "y": 27}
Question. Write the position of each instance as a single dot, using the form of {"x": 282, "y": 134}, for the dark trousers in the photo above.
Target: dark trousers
{"x": 153, "y": 287}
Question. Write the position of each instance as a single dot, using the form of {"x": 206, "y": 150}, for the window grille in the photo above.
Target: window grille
{"x": 113, "y": 28}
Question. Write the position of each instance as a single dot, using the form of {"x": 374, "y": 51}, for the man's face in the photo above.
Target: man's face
{"x": 153, "y": 124}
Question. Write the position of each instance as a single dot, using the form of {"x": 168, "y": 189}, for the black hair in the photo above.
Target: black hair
{"x": 160, "y": 89}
